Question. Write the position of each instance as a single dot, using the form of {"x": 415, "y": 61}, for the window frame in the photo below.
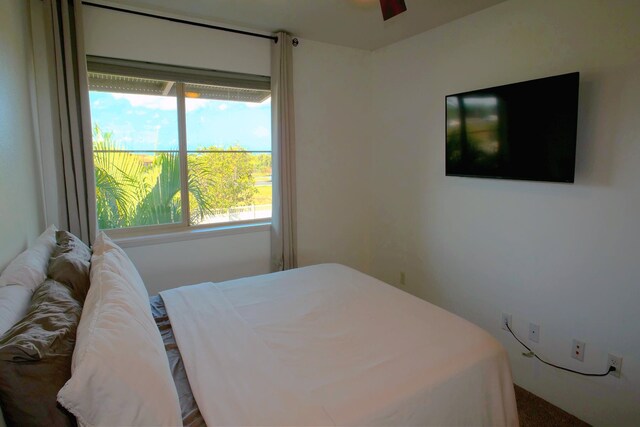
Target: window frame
{"x": 159, "y": 233}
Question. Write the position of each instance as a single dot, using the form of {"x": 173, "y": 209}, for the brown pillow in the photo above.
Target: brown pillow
{"x": 35, "y": 358}
{"x": 70, "y": 263}
{"x": 67, "y": 242}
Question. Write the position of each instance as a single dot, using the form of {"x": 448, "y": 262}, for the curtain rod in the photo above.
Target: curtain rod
{"x": 180, "y": 21}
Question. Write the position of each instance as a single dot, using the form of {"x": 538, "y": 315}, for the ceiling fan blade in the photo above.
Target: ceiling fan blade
{"x": 391, "y": 8}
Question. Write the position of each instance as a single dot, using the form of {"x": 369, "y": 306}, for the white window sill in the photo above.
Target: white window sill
{"x": 190, "y": 234}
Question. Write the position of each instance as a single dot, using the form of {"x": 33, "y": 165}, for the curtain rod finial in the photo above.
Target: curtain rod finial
{"x": 295, "y": 42}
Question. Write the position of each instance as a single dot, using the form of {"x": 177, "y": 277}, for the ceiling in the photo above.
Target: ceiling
{"x": 353, "y": 23}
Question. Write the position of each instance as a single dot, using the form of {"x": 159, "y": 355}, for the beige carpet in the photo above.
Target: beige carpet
{"x": 536, "y": 412}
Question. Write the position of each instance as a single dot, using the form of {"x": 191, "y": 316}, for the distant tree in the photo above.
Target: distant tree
{"x": 226, "y": 175}
{"x": 262, "y": 163}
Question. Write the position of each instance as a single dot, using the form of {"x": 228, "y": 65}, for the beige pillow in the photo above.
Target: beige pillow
{"x": 67, "y": 242}
{"x": 120, "y": 371}
{"x": 35, "y": 358}
{"x": 70, "y": 263}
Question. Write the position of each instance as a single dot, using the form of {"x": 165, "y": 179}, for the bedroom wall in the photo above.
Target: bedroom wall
{"x": 331, "y": 85}
{"x": 560, "y": 255}
{"x": 332, "y": 89}
{"x": 20, "y": 184}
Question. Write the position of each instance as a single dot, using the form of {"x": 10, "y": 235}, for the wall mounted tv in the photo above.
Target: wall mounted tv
{"x": 523, "y": 130}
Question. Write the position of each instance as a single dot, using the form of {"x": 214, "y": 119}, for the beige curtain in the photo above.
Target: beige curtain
{"x": 72, "y": 118}
{"x": 283, "y": 222}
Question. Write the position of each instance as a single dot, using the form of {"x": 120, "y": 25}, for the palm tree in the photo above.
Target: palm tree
{"x": 161, "y": 203}
{"x": 118, "y": 181}
{"x": 130, "y": 193}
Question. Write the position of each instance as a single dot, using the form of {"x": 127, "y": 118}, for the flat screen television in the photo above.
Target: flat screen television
{"x": 522, "y": 131}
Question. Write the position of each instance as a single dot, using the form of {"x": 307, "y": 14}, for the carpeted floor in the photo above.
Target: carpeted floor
{"x": 536, "y": 412}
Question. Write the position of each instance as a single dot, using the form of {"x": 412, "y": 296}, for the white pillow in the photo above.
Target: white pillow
{"x": 123, "y": 264}
{"x": 22, "y": 276}
{"x": 120, "y": 371}
{"x": 14, "y": 303}
{"x": 103, "y": 243}
{"x": 30, "y": 267}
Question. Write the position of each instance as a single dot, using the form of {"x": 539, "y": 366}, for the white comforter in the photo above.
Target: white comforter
{"x": 327, "y": 345}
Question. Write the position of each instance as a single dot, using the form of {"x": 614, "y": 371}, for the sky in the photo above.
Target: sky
{"x": 147, "y": 122}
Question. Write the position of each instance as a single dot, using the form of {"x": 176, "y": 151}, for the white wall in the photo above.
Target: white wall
{"x": 126, "y": 36}
{"x": 332, "y": 87}
{"x": 21, "y": 217}
{"x": 332, "y": 94}
{"x": 563, "y": 256}
{"x": 214, "y": 259}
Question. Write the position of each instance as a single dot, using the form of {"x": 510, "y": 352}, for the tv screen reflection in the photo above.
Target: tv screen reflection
{"x": 520, "y": 131}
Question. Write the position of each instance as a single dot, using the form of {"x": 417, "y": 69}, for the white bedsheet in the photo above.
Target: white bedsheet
{"x": 327, "y": 345}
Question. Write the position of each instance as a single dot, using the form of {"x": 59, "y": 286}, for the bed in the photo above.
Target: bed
{"x": 345, "y": 347}
{"x": 320, "y": 345}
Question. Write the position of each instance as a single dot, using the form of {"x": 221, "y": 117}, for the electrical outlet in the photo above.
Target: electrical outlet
{"x": 506, "y": 320}
{"x": 577, "y": 350}
{"x": 403, "y": 279}
{"x": 534, "y": 332}
{"x": 616, "y": 362}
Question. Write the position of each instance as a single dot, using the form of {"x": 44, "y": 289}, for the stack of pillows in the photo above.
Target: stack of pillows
{"x": 42, "y": 293}
{"x": 78, "y": 344}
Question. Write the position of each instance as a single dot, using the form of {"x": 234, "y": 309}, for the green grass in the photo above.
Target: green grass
{"x": 263, "y": 196}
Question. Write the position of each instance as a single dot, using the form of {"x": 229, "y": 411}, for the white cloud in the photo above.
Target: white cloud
{"x": 166, "y": 103}
{"x": 148, "y": 101}
{"x": 261, "y": 132}
{"x": 223, "y": 107}
{"x": 258, "y": 104}
{"x": 193, "y": 104}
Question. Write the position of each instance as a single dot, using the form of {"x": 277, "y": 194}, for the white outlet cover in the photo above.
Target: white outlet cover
{"x": 615, "y": 361}
{"x": 577, "y": 350}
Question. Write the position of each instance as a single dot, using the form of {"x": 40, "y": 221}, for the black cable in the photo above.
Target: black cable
{"x": 533, "y": 353}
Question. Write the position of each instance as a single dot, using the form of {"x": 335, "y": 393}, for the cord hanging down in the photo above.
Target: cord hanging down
{"x": 532, "y": 353}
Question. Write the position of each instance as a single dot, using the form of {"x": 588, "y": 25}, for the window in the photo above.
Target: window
{"x": 175, "y": 147}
